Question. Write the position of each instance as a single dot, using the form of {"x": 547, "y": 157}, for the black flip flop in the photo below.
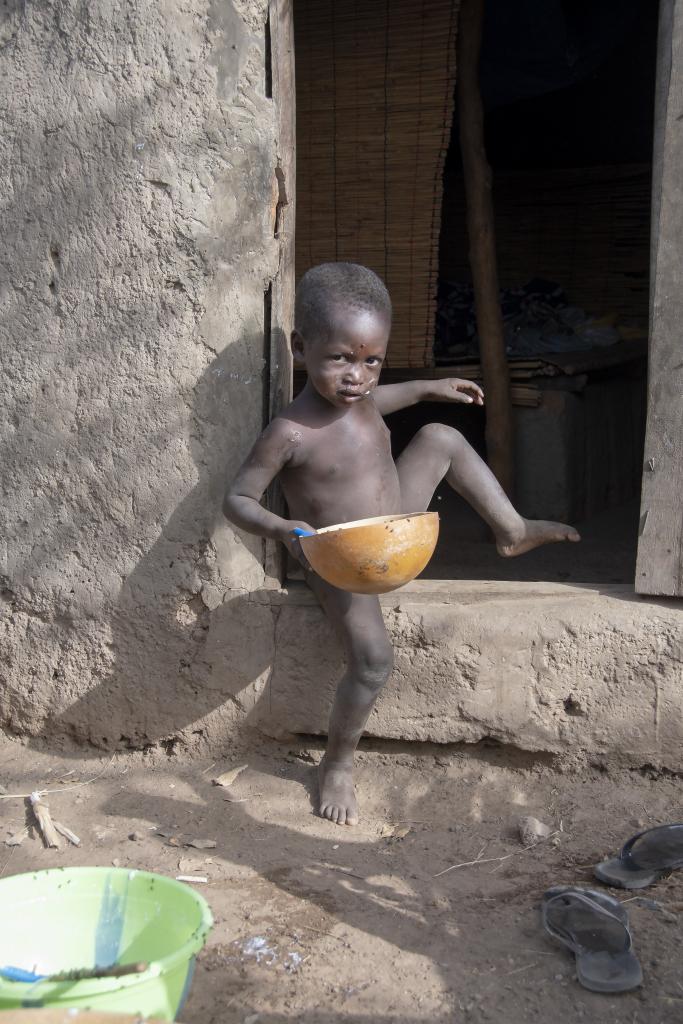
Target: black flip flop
{"x": 595, "y": 927}
{"x": 644, "y": 858}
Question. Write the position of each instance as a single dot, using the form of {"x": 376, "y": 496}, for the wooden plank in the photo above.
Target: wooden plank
{"x": 659, "y": 568}
{"x": 282, "y": 48}
{"x": 282, "y": 291}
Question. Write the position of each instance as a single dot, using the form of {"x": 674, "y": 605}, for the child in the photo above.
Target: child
{"x": 332, "y": 452}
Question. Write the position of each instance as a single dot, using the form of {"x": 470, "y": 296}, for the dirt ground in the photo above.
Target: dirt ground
{"x": 319, "y": 923}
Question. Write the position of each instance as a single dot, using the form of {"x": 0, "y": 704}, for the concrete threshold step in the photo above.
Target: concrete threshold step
{"x": 543, "y": 666}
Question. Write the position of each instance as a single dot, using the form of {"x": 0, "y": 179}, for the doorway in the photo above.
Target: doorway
{"x": 379, "y": 182}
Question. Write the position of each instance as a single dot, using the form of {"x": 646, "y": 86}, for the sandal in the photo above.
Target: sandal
{"x": 595, "y": 927}
{"x": 644, "y": 858}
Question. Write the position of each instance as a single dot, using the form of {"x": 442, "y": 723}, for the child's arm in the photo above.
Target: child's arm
{"x": 391, "y": 397}
{"x": 242, "y": 502}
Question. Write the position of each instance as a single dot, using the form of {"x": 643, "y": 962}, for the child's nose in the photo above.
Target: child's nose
{"x": 353, "y": 372}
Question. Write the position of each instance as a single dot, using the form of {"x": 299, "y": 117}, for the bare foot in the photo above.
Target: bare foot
{"x": 337, "y": 796}
{"x": 533, "y": 533}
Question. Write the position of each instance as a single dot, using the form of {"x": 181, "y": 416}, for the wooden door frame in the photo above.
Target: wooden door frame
{"x": 659, "y": 567}
{"x": 279, "y": 311}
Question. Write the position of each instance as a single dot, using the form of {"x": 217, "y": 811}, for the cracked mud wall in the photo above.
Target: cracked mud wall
{"x": 138, "y": 154}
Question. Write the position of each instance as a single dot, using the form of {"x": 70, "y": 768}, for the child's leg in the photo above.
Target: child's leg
{"x": 439, "y": 451}
{"x": 358, "y": 620}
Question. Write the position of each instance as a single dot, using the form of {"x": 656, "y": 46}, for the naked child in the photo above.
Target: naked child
{"x": 331, "y": 450}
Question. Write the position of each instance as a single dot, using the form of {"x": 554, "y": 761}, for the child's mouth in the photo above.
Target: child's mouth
{"x": 354, "y": 394}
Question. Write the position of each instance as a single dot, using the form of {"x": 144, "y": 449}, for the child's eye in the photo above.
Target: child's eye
{"x": 337, "y": 358}
{"x": 373, "y": 360}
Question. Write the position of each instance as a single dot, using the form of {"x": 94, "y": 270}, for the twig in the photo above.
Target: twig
{"x": 493, "y": 860}
{"x": 533, "y": 845}
{"x": 63, "y": 789}
{"x": 467, "y": 863}
{"x": 648, "y": 903}
{"x": 212, "y": 765}
{"x": 517, "y": 970}
{"x": 344, "y": 871}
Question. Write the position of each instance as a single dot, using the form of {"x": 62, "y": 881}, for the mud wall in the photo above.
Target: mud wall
{"x": 138, "y": 156}
{"x": 138, "y": 152}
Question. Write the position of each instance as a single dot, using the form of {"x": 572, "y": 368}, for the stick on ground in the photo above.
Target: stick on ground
{"x": 45, "y": 823}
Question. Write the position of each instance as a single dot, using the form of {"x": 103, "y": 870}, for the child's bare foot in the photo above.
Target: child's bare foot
{"x": 533, "y": 533}
{"x": 337, "y": 795}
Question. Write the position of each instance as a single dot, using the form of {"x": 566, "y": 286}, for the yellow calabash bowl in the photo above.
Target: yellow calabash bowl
{"x": 373, "y": 556}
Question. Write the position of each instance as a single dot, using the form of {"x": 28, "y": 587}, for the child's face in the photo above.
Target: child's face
{"x": 344, "y": 368}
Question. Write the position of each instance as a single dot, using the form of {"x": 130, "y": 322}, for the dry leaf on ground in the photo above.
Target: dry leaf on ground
{"x": 227, "y": 778}
{"x": 394, "y": 831}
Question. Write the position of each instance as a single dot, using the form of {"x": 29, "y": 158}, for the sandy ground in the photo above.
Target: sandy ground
{"x": 321, "y": 923}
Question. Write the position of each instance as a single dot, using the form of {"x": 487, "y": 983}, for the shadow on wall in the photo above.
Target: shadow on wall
{"x": 183, "y": 646}
{"x": 137, "y": 244}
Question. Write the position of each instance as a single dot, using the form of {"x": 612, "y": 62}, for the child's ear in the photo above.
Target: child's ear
{"x": 297, "y": 343}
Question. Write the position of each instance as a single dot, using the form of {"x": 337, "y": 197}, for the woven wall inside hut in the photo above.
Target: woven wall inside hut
{"x": 374, "y": 94}
{"x": 587, "y": 228}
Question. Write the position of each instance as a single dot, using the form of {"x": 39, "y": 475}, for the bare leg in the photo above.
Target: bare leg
{"x": 358, "y": 620}
{"x": 437, "y": 452}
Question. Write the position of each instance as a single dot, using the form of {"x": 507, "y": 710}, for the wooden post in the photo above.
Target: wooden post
{"x": 284, "y": 98}
{"x": 659, "y": 568}
{"x": 480, "y": 227}
{"x": 280, "y": 302}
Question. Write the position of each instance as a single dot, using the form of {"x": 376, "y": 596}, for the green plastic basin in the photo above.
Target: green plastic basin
{"x": 68, "y": 919}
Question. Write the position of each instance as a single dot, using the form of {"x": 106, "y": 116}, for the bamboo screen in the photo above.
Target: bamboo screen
{"x": 374, "y": 94}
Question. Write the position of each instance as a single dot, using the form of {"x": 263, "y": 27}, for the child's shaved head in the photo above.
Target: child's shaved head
{"x": 329, "y": 289}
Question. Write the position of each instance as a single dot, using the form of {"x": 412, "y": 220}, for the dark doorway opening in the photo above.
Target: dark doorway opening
{"x": 568, "y": 87}
{"x": 568, "y": 90}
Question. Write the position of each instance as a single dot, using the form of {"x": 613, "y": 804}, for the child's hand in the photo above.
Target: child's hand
{"x": 452, "y": 389}
{"x": 293, "y": 543}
